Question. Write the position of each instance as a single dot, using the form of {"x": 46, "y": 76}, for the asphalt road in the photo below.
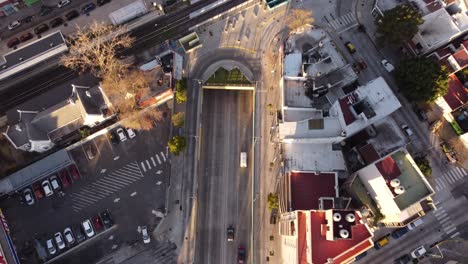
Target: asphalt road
{"x": 168, "y": 27}
{"x": 121, "y": 177}
{"x": 224, "y": 192}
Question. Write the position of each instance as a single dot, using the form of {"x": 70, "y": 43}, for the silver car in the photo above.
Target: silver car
{"x": 144, "y": 233}
{"x": 69, "y": 237}
{"x": 51, "y": 247}
{"x": 88, "y": 228}
{"x": 59, "y": 240}
{"x": 28, "y": 196}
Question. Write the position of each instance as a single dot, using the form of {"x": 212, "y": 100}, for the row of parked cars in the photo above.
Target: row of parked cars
{"x": 53, "y": 184}
{"x": 121, "y": 135}
{"x": 74, "y": 235}
{"x": 52, "y": 24}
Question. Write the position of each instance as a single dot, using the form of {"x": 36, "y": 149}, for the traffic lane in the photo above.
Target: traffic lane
{"x": 224, "y": 192}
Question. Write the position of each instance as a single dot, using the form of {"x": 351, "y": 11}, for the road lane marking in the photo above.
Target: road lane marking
{"x": 110, "y": 187}
{"x": 454, "y": 235}
{"x": 105, "y": 188}
{"x": 133, "y": 194}
{"x": 98, "y": 195}
{"x": 441, "y": 182}
{"x": 143, "y": 166}
{"x": 147, "y": 163}
{"x": 132, "y": 174}
{"x": 123, "y": 178}
{"x": 119, "y": 185}
{"x": 441, "y": 221}
{"x": 454, "y": 175}
{"x": 128, "y": 176}
{"x": 133, "y": 165}
{"x": 440, "y": 212}
{"x": 157, "y": 157}
{"x": 84, "y": 198}
{"x": 164, "y": 156}
{"x": 154, "y": 162}
{"x": 449, "y": 178}
{"x": 450, "y": 230}
{"x": 460, "y": 171}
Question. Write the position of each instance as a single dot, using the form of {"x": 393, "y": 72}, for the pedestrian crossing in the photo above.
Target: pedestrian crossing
{"x": 114, "y": 182}
{"x": 146, "y": 165}
{"x": 446, "y": 222}
{"x": 449, "y": 178}
{"x": 343, "y": 23}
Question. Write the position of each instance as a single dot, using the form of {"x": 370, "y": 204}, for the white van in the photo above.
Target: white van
{"x": 414, "y": 224}
{"x": 243, "y": 159}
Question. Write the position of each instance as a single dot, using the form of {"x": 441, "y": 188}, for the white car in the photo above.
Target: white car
{"x": 14, "y": 25}
{"x": 63, "y": 3}
{"x": 131, "y": 133}
{"x": 69, "y": 237}
{"x": 414, "y": 224}
{"x": 47, "y": 188}
{"x": 88, "y": 228}
{"x": 388, "y": 66}
{"x": 121, "y": 134}
{"x": 59, "y": 240}
{"x": 418, "y": 252}
{"x": 243, "y": 159}
{"x": 407, "y": 130}
{"x": 51, "y": 247}
{"x": 28, "y": 196}
{"x": 54, "y": 182}
{"x": 144, "y": 233}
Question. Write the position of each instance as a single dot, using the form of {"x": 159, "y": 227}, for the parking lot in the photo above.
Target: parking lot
{"x": 128, "y": 178}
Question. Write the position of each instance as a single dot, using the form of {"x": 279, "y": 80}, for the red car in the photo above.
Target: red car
{"x": 26, "y": 36}
{"x": 13, "y": 42}
{"x": 65, "y": 178}
{"x": 241, "y": 255}
{"x": 74, "y": 172}
{"x": 38, "y": 191}
{"x": 97, "y": 223}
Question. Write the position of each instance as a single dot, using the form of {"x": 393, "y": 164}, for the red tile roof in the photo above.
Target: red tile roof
{"x": 443, "y": 52}
{"x": 388, "y": 168}
{"x": 340, "y": 249}
{"x": 307, "y": 188}
{"x": 345, "y": 104}
{"x": 457, "y": 93}
{"x": 461, "y": 57}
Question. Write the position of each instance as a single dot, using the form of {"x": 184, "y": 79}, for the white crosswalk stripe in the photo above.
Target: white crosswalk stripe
{"x": 154, "y": 162}
{"x": 344, "y": 22}
{"x": 159, "y": 160}
{"x": 438, "y": 188}
{"x": 443, "y": 220}
{"x": 440, "y": 212}
{"x": 147, "y": 163}
{"x": 163, "y": 155}
{"x": 450, "y": 230}
{"x": 455, "y": 234}
{"x": 143, "y": 166}
{"x": 450, "y": 179}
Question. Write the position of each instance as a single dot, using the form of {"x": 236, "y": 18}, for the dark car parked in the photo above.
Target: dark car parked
{"x": 41, "y": 29}
{"x": 74, "y": 172}
{"x": 88, "y": 8}
{"x": 400, "y": 232}
{"x": 26, "y": 36}
{"x": 72, "y": 15}
{"x": 102, "y": 2}
{"x": 79, "y": 234}
{"x": 13, "y": 42}
{"x": 56, "y": 22}
{"x": 65, "y": 178}
{"x": 45, "y": 10}
{"x": 106, "y": 218}
{"x": 405, "y": 259}
{"x": 27, "y": 19}
{"x": 97, "y": 223}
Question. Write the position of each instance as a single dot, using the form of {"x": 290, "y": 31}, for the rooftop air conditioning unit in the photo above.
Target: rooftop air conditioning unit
{"x": 344, "y": 233}
{"x": 336, "y": 217}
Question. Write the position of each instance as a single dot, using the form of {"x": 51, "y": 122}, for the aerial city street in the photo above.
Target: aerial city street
{"x": 233, "y": 131}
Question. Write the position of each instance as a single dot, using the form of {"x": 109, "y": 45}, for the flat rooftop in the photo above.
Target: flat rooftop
{"x": 33, "y": 53}
{"x": 313, "y": 157}
{"x": 308, "y": 187}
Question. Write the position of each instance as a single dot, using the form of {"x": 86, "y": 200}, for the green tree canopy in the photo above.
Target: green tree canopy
{"x": 421, "y": 79}
{"x": 181, "y": 91}
{"x": 272, "y": 201}
{"x": 178, "y": 119}
{"x": 399, "y": 24}
{"x": 177, "y": 144}
{"x": 424, "y": 165}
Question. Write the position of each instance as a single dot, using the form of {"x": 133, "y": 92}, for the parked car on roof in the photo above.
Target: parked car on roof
{"x": 59, "y": 240}
{"x": 63, "y": 3}
{"x": 26, "y": 36}
{"x": 38, "y": 191}
{"x": 72, "y": 15}
{"x": 69, "y": 237}
{"x": 88, "y": 228}
{"x": 56, "y": 22}
{"x": 64, "y": 178}
{"x": 106, "y": 218}
{"x": 51, "y": 247}
{"x": 47, "y": 188}
{"x": 55, "y": 183}
{"x": 13, "y": 42}
{"x": 28, "y": 196}
{"x": 14, "y": 24}
{"x": 41, "y": 29}
{"x": 74, "y": 172}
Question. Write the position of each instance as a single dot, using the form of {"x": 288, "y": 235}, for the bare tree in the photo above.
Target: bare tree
{"x": 298, "y": 18}
{"x": 144, "y": 120}
{"x": 94, "y": 49}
